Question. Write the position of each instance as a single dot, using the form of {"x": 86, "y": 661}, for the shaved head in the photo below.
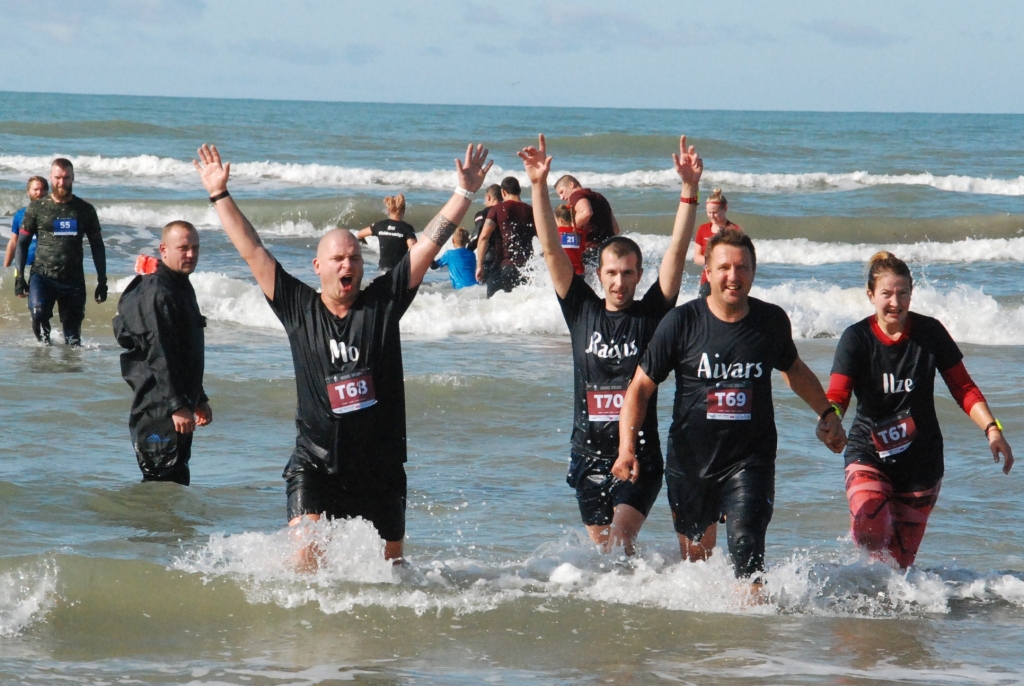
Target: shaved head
{"x": 334, "y": 239}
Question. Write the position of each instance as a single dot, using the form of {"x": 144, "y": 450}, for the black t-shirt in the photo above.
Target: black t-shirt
{"x": 515, "y": 232}
{"x": 889, "y": 380}
{"x": 478, "y": 226}
{"x": 730, "y": 364}
{"x": 393, "y": 236}
{"x": 606, "y": 347}
{"x": 341, "y": 367}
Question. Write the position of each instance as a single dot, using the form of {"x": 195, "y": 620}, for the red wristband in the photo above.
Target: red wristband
{"x": 688, "y": 201}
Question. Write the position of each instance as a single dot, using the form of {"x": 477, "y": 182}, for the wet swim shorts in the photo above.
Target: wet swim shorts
{"x": 380, "y": 501}
{"x": 598, "y": 492}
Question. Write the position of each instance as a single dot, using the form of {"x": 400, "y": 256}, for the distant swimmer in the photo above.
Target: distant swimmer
{"x": 722, "y": 443}
{"x": 509, "y": 224}
{"x": 60, "y": 221}
{"x": 571, "y": 239}
{"x": 37, "y": 187}
{"x": 395, "y": 237}
{"x": 593, "y": 216}
{"x": 609, "y": 336}
{"x": 159, "y": 324}
{"x": 716, "y": 207}
{"x": 492, "y": 196}
{"x": 351, "y": 447}
{"x": 894, "y": 458}
{"x": 461, "y": 262}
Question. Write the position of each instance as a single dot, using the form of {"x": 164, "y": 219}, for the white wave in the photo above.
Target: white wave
{"x": 352, "y": 573}
{"x": 818, "y": 310}
{"x": 170, "y": 172}
{"x": 26, "y": 595}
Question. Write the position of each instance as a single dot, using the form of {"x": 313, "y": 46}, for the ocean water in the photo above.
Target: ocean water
{"x": 106, "y": 580}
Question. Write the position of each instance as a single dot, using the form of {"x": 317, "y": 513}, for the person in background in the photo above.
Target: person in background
{"x": 460, "y": 261}
{"x": 509, "y": 224}
{"x": 592, "y": 214}
{"x": 716, "y": 207}
{"x": 395, "y": 237}
{"x": 492, "y": 196}
{"x": 571, "y": 239}
{"x": 37, "y": 187}
{"x": 894, "y": 457}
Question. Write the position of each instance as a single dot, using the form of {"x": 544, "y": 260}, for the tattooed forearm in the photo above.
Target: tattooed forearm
{"x": 439, "y": 230}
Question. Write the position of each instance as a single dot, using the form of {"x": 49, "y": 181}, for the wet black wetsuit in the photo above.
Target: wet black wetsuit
{"x": 159, "y": 324}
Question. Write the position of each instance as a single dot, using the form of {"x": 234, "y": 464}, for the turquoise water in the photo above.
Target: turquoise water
{"x": 103, "y": 579}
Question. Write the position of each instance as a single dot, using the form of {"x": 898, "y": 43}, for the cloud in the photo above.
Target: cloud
{"x": 852, "y": 34}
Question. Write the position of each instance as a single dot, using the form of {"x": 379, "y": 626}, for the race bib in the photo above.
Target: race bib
{"x": 604, "y": 401}
{"x": 570, "y": 240}
{"x": 351, "y": 392}
{"x": 894, "y": 435}
{"x": 65, "y": 227}
{"x": 730, "y": 401}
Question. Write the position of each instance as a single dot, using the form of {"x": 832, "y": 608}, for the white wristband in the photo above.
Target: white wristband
{"x": 467, "y": 194}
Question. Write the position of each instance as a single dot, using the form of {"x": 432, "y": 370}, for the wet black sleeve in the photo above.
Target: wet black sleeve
{"x": 394, "y": 287}
{"x": 784, "y": 335}
{"x": 847, "y": 360}
{"x": 575, "y": 299}
{"x": 655, "y": 302}
{"x": 947, "y": 352}
{"x": 665, "y": 349}
{"x": 92, "y": 223}
{"x": 292, "y": 298}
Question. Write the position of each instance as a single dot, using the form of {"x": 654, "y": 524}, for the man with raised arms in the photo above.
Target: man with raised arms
{"x": 60, "y": 221}
{"x": 351, "y": 448}
{"x": 722, "y": 443}
{"x": 608, "y": 337}
{"x": 592, "y": 213}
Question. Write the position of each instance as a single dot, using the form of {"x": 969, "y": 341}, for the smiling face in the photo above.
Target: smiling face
{"x": 619, "y": 276}
{"x": 339, "y": 264}
{"x": 730, "y": 271}
{"x": 179, "y": 249}
{"x": 891, "y": 298}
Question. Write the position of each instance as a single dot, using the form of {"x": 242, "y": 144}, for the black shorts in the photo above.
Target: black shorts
{"x": 746, "y": 497}
{"x": 338, "y": 496}
{"x": 598, "y": 492}
{"x": 504, "y": 278}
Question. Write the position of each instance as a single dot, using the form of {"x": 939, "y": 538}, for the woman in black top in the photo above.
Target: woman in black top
{"x": 394, "y": 235}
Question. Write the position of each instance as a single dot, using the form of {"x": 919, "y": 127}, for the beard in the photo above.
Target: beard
{"x": 61, "y": 194}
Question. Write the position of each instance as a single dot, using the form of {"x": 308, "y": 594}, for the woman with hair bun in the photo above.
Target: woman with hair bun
{"x": 716, "y": 207}
{"x": 894, "y": 454}
{"x": 394, "y": 235}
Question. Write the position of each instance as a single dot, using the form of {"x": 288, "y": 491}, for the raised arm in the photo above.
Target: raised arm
{"x": 471, "y": 174}
{"x": 689, "y": 166}
{"x": 214, "y": 176}
{"x": 805, "y": 384}
{"x": 537, "y": 165}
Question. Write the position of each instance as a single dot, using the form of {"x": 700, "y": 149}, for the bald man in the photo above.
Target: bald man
{"x": 351, "y": 447}
{"x": 159, "y": 324}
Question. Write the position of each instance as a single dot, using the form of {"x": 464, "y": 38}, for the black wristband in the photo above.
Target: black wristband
{"x": 219, "y": 196}
{"x": 832, "y": 409}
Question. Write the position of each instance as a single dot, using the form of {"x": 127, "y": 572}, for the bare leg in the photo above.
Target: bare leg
{"x": 307, "y": 558}
{"x": 393, "y": 551}
{"x": 698, "y": 550}
{"x": 599, "y": 534}
{"x": 626, "y": 525}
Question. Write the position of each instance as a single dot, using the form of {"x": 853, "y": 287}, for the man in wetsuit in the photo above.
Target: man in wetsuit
{"x": 608, "y": 337}
{"x": 510, "y": 225}
{"x": 722, "y": 443}
{"x": 492, "y": 196}
{"x": 159, "y": 324}
{"x": 351, "y": 447}
{"x": 60, "y": 221}
{"x": 592, "y": 213}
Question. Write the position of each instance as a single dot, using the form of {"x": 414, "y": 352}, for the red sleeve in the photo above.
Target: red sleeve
{"x": 840, "y": 388}
{"x": 965, "y": 392}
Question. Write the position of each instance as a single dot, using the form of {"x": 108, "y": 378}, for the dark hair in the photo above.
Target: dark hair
{"x": 46, "y": 184}
{"x": 563, "y": 213}
{"x": 620, "y": 246}
{"x": 885, "y": 262}
{"x": 510, "y": 185}
{"x": 734, "y": 238}
{"x": 567, "y": 180}
{"x": 64, "y": 163}
{"x": 493, "y": 192}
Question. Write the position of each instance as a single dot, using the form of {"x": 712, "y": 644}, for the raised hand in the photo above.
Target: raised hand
{"x": 213, "y": 174}
{"x": 536, "y": 161}
{"x": 689, "y": 164}
{"x": 473, "y": 171}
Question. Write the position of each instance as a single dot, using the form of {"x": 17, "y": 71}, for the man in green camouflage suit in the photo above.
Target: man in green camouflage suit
{"x": 60, "y": 220}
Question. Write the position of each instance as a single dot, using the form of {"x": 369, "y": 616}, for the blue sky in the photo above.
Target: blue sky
{"x": 935, "y": 56}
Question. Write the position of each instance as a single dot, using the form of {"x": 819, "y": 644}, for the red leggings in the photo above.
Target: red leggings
{"x": 883, "y": 520}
